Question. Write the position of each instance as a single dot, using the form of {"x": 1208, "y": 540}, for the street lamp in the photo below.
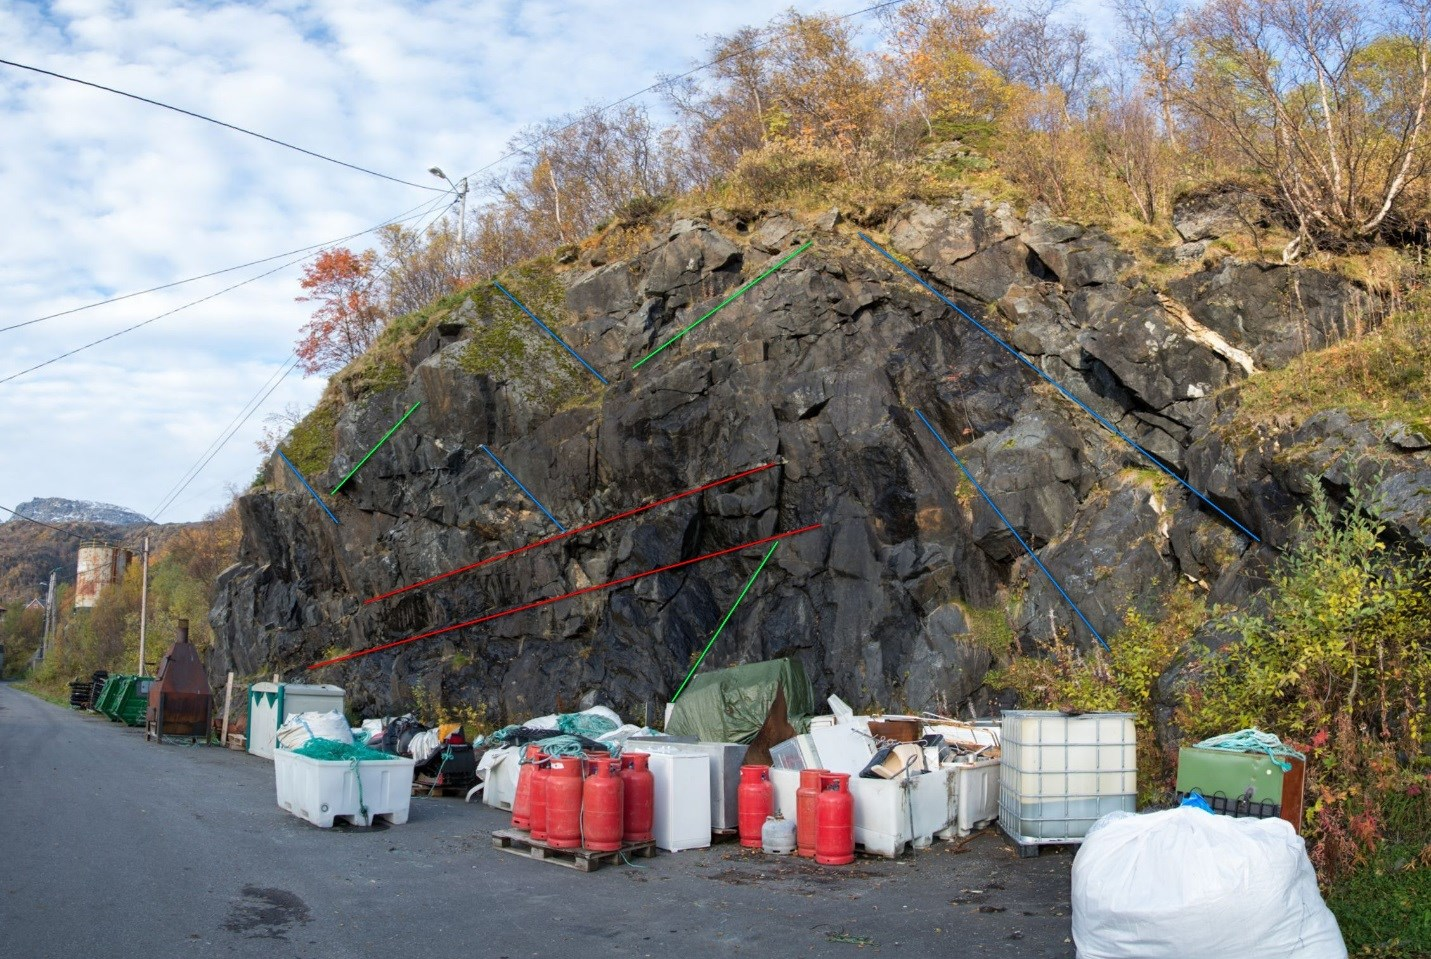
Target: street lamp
{"x": 461, "y": 190}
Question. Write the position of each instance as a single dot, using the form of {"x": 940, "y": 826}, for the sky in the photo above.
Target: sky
{"x": 101, "y": 196}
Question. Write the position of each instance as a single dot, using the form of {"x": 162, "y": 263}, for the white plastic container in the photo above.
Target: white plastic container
{"x": 973, "y": 789}
{"x": 1059, "y": 773}
{"x": 270, "y": 705}
{"x": 890, "y": 814}
{"x": 682, "y": 814}
{"x": 499, "y": 769}
{"x": 318, "y": 790}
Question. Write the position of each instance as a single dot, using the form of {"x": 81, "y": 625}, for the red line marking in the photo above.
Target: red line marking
{"x": 577, "y": 592}
{"x": 572, "y": 532}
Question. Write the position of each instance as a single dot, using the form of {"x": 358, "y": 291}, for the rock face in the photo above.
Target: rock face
{"x": 818, "y": 370}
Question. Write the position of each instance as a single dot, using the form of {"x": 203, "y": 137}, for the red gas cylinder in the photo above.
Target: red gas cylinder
{"x": 806, "y": 824}
{"x": 540, "y": 772}
{"x": 522, "y": 801}
{"x": 755, "y": 800}
{"x": 601, "y": 802}
{"x": 564, "y": 802}
{"x": 835, "y": 819}
{"x": 639, "y": 798}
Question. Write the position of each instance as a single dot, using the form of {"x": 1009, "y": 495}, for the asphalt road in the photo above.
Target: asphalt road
{"x": 111, "y": 846}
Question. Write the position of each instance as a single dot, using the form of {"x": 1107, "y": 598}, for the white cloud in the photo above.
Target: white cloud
{"x": 104, "y": 196}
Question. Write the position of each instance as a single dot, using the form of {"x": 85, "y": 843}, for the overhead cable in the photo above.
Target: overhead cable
{"x": 403, "y": 217}
{"x": 31, "y": 519}
{"x": 229, "y": 126}
{"x": 130, "y": 329}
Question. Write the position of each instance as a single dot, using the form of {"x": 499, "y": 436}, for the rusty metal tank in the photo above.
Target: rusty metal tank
{"x": 99, "y": 565}
{"x": 180, "y": 702}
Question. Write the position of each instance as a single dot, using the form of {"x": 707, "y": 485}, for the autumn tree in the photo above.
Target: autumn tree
{"x": 349, "y": 314}
{"x": 723, "y": 108}
{"x": 574, "y": 171}
{"x": 1327, "y": 98}
{"x": 421, "y": 266}
{"x": 1037, "y": 49}
{"x": 936, "y": 58}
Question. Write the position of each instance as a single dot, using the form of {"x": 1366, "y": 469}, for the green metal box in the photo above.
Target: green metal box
{"x": 1248, "y": 784}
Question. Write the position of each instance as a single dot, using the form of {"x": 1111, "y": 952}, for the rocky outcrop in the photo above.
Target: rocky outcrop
{"x": 818, "y": 370}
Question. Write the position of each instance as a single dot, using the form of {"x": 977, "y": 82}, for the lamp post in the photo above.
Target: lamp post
{"x": 461, "y": 190}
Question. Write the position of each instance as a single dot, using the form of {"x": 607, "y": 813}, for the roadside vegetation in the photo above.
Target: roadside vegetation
{"x": 182, "y": 572}
{"x": 1337, "y": 662}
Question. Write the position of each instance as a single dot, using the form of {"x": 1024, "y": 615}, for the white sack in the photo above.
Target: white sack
{"x": 301, "y": 727}
{"x": 423, "y": 745}
{"x": 1185, "y": 884}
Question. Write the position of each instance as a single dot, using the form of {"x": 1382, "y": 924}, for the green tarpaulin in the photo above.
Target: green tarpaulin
{"x": 730, "y": 705}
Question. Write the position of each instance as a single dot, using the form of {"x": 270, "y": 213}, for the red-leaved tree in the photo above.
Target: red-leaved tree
{"x": 348, "y": 317}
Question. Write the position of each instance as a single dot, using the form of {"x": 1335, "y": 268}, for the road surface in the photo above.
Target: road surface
{"x": 111, "y": 846}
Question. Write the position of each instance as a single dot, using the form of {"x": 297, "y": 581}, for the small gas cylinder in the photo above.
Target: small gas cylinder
{"x": 601, "y": 802}
{"x": 540, "y": 772}
{"x": 638, "y": 799}
{"x": 805, "y": 804}
{"x": 777, "y": 836}
{"x": 755, "y": 800}
{"x": 522, "y": 801}
{"x": 564, "y": 786}
{"x": 835, "y": 818}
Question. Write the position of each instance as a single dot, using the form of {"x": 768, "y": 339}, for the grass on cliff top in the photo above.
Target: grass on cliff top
{"x": 1380, "y": 376}
{"x": 502, "y": 342}
{"x": 507, "y": 345}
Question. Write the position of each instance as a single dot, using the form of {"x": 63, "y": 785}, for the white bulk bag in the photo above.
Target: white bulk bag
{"x": 1185, "y": 884}
{"x": 305, "y": 726}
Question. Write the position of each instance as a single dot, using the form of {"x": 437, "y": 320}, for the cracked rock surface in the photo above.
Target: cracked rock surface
{"x": 818, "y": 370}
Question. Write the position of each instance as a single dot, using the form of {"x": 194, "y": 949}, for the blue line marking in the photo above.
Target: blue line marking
{"x": 307, "y": 487}
{"x": 1058, "y": 386}
{"x": 521, "y": 306}
{"x": 522, "y": 488}
{"x": 1027, "y": 549}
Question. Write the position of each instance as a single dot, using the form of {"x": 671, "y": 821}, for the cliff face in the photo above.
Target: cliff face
{"x": 817, "y": 369}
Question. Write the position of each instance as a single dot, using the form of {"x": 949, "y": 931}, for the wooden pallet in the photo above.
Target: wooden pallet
{"x": 1029, "y": 850}
{"x": 520, "y": 843}
{"x": 424, "y": 790}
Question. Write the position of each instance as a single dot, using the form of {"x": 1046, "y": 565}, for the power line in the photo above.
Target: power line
{"x": 667, "y": 81}
{"x": 246, "y": 412}
{"x": 130, "y": 329}
{"x": 227, "y": 433}
{"x": 152, "y": 319}
{"x": 46, "y": 525}
{"x": 425, "y": 207}
{"x": 208, "y": 119}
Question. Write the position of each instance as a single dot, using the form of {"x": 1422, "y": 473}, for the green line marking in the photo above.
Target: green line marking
{"x": 375, "y": 448}
{"x": 724, "y": 303}
{"x": 769, "y": 553}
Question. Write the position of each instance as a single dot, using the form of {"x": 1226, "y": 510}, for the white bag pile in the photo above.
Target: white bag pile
{"x": 302, "y": 727}
{"x": 1185, "y": 884}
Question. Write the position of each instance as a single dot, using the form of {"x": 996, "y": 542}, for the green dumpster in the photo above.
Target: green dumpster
{"x": 109, "y": 696}
{"x": 133, "y": 704}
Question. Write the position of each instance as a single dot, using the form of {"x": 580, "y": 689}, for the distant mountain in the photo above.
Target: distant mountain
{"x": 53, "y": 509}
